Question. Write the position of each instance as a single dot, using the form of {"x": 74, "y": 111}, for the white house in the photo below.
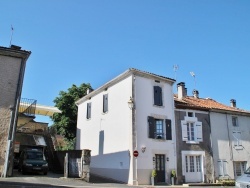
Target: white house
{"x": 230, "y": 128}
{"x": 132, "y": 112}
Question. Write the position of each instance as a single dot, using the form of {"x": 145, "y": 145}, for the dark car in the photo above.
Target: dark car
{"x": 32, "y": 160}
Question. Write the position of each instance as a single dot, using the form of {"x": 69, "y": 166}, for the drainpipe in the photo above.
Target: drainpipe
{"x": 134, "y": 132}
{"x": 230, "y": 144}
{"x": 211, "y": 143}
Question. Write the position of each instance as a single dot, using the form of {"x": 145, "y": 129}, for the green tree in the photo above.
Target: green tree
{"x": 66, "y": 121}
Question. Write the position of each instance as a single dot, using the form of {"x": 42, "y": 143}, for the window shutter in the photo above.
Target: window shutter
{"x": 157, "y": 96}
{"x": 168, "y": 129}
{"x": 184, "y": 131}
{"x": 105, "y": 103}
{"x": 199, "y": 137}
{"x": 151, "y": 127}
{"x": 220, "y": 166}
{"x": 225, "y": 168}
{"x": 88, "y": 110}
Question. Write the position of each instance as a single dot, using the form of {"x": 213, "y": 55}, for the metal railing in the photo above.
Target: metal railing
{"x": 27, "y": 106}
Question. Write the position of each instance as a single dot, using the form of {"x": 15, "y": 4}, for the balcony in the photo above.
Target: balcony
{"x": 27, "y": 107}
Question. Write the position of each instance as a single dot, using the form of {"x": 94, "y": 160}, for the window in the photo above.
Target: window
{"x": 157, "y": 96}
{"x": 190, "y": 114}
{"x": 235, "y": 121}
{"x": 237, "y": 140}
{"x": 239, "y": 168}
{"x": 192, "y": 132}
{"x": 88, "y": 116}
{"x": 222, "y": 165}
{"x": 105, "y": 103}
{"x": 157, "y": 127}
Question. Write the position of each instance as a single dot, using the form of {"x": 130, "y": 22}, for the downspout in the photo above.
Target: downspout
{"x": 230, "y": 144}
{"x": 211, "y": 143}
{"x": 134, "y": 132}
{"x": 9, "y": 159}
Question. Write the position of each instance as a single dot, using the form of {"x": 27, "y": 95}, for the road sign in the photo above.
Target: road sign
{"x": 136, "y": 153}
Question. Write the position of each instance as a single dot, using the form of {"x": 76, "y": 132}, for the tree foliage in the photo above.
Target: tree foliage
{"x": 66, "y": 121}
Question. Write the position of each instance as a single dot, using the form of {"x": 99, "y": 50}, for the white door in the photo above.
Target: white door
{"x": 193, "y": 171}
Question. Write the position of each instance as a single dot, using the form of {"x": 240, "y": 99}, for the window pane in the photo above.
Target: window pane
{"x": 198, "y": 163}
{"x": 191, "y": 158}
{"x": 186, "y": 158}
{"x": 190, "y": 131}
{"x": 159, "y": 128}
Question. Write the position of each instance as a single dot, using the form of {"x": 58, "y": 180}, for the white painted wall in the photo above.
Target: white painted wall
{"x": 222, "y": 140}
{"x": 110, "y": 155}
{"x": 115, "y": 159}
{"x": 144, "y": 95}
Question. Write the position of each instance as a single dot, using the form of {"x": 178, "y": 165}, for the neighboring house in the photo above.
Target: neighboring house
{"x": 230, "y": 128}
{"x": 224, "y": 148}
{"x": 12, "y": 63}
{"x": 132, "y": 112}
{"x": 193, "y": 146}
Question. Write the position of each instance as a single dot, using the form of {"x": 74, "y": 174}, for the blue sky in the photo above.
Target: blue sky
{"x": 92, "y": 41}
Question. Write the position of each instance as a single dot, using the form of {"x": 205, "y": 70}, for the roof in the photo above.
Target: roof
{"x": 120, "y": 77}
{"x": 15, "y": 51}
{"x": 205, "y": 104}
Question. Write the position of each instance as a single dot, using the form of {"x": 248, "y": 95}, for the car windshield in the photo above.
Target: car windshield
{"x": 247, "y": 171}
{"x": 35, "y": 155}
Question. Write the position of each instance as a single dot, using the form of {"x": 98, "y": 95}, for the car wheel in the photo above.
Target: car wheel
{"x": 45, "y": 173}
{"x": 23, "y": 172}
{"x": 19, "y": 169}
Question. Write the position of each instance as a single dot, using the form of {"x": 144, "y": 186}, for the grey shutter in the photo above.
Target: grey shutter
{"x": 88, "y": 110}
{"x": 105, "y": 103}
{"x": 157, "y": 96}
{"x": 151, "y": 127}
{"x": 168, "y": 129}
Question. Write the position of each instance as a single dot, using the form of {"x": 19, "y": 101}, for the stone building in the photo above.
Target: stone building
{"x": 12, "y": 69}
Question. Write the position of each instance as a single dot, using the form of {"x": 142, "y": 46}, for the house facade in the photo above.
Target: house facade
{"x": 231, "y": 149}
{"x": 194, "y": 152}
{"x": 12, "y": 63}
{"x": 133, "y": 113}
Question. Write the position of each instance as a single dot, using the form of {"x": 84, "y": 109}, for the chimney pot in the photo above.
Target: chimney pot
{"x": 196, "y": 93}
{"x": 233, "y": 102}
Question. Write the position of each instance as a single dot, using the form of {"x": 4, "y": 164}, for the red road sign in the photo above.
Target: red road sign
{"x": 136, "y": 153}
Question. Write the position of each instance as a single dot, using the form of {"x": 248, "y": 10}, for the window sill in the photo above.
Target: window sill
{"x": 238, "y": 147}
{"x": 192, "y": 142}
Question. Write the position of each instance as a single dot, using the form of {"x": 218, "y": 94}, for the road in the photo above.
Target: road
{"x": 58, "y": 181}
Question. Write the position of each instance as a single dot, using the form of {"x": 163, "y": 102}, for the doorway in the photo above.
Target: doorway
{"x": 160, "y": 167}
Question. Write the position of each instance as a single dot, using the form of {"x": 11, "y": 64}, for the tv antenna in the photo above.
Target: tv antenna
{"x": 12, "y": 30}
{"x": 176, "y": 67}
{"x": 193, "y": 75}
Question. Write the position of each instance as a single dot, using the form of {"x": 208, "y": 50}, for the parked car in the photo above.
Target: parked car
{"x": 244, "y": 180}
{"x": 32, "y": 160}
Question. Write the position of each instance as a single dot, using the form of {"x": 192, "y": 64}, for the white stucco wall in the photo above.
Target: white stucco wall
{"x": 222, "y": 140}
{"x": 112, "y": 152}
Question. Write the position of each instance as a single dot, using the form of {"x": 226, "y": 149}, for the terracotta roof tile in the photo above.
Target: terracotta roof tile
{"x": 205, "y": 103}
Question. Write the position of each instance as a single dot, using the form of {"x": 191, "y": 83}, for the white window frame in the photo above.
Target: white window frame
{"x": 242, "y": 166}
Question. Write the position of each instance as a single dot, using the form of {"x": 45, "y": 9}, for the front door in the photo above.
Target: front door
{"x": 193, "y": 172}
{"x": 160, "y": 167}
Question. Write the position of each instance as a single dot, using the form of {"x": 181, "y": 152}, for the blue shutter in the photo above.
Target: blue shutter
{"x": 168, "y": 129}
{"x": 151, "y": 127}
{"x": 105, "y": 103}
{"x": 157, "y": 96}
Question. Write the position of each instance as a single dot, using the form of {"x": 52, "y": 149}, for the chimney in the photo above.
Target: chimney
{"x": 15, "y": 47}
{"x": 233, "y": 102}
{"x": 196, "y": 93}
{"x": 182, "y": 91}
{"x": 89, "y": 90}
